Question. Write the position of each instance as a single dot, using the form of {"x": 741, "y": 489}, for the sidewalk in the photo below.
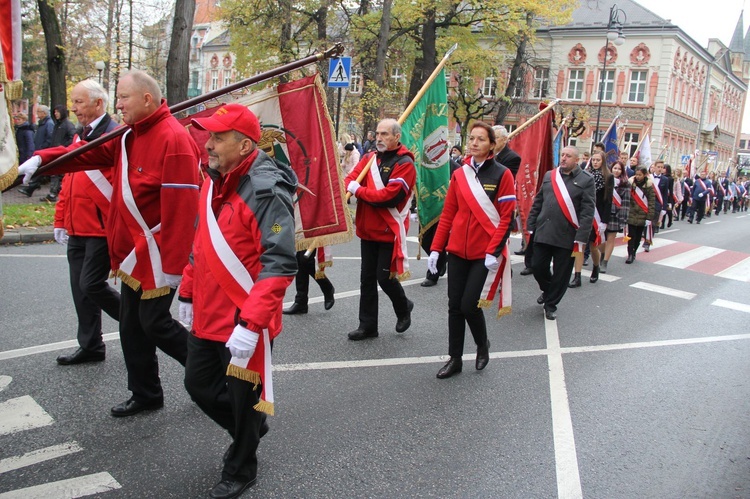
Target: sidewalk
{"x": 26, "y": 235}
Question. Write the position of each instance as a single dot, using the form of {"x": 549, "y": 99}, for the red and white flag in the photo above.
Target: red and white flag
{"x": 11, "y": 87}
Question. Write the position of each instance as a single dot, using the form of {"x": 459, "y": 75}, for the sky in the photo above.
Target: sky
{"x": 702, "y": 20}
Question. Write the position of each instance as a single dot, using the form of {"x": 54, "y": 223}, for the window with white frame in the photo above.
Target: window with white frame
{"x": 227, "y": 77}
{"x": 355, "y": 82}
{"x": 214, "y": 79}
{"x": 510, "y": 128}
{"x": 398, "y": 77}
{"x": 575, "y": 84}
{"x": 489, "y": 85}
{"x": 630, "y": 142}
{"x": 541, "y": 83}
{"x": 519, "y": 92}
{"x": 607, "y": 86}
{"x": 637, "y": 91}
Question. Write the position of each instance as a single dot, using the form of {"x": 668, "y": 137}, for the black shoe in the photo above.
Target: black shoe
{"x": 527, "y": 271}
{"x": 541, "y": 299}
{"x": 295, "y": 309}
{"x": 550, "y": 315}
{"x": 229, "y": 489}
{"x": 647, "y": 246}
{"x": 26, "y": 190}
{"x": 428, "y": 283}
{"x": 520, "y": 252}
{"x": 453, "y": 366}
{"x": 631, "y": 259}
{"x": 131, "y": 407}
{"x": 51, "y": 198}
{"x": 576, "y": 282}
{"x": 585, "y": 262}
{"x": 483, "y": 356}
{"x": 403, "y": 323}
{"x": 329, "y": 299}
{"x": 594, "y": 274}
{"x": 79, "y": 357}
{"x": 690, "y": 221}
{"x": 361, "y": 334}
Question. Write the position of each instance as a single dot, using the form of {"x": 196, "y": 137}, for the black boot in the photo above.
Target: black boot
{"x": 576, "y": 282}
{"x": 631, "y": 258}
{"x": 452, "y": 367}
{"x": 594, "y": 274}
{"x": 483, "y": 356}
{"x": 296, "y": 308}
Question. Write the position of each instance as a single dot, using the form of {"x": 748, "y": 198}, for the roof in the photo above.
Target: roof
{"x": 595, "y": 14}
{"x": 220, "y": 40}
{"x": 205, "y": 11}
{"x": 738, "y": 41}
{"x": 747, "y": 44}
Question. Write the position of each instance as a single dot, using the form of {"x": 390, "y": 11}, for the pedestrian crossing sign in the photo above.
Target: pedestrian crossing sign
{"x": 339, "y": 70}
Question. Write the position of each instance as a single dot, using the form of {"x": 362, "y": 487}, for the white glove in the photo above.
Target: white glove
{"x": 700, "y": 195}
{"x": 173, "y": 281}
{"x": 490, "y": 261}
{"x": 432, "y": 262}
{"x": 29, "y": 167}
{"x": 61, "y": 236}
{"x": 186, "y": 313}
{"x": 648, "y": 223}
{"x": 352, "y": 187}
{"x": 242, "y": 343}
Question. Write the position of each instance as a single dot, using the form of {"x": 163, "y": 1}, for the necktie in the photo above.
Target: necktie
{"x": 86, "y": 131}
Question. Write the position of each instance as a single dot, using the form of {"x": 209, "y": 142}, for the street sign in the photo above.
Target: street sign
{"x": 339, "y": 72}
{"x": 684, "y": 159}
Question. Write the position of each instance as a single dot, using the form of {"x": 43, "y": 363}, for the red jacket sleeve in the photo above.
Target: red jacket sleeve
{"x": 186, "y": 285}
{"x": 505, "y": 203}
{"x": 62, "y": 199}
{"x": 98, "y": 158}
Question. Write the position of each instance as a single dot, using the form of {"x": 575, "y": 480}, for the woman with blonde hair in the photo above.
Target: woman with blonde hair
{"x": 350, "y": 155}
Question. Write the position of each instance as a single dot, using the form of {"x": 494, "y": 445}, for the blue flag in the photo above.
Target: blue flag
{"x": 557, "y": 147}
{"x": 611, "y": 148}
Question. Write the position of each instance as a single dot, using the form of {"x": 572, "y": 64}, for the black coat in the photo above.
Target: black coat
{"x": 25, "y": 141}
{"x": 509, "y": 159}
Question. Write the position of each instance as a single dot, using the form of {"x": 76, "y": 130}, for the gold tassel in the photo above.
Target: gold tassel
{"x": 626, "y": 239}
{"x": 503, "y": 311}
{"x": 264, "y": 406}
{"x": 484, "y": 303}
{"x": 320, "y": 274}
{"x": 401, "y": 277}
{"x": 576, "y": 253}
{"x": 156, "y": 293}
{"x": 128, "y": 279}
{"x": 244, "y": 374}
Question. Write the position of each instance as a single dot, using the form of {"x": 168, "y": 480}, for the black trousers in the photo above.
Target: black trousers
{"x": 305, "y": 270}
{"x": 553, "y": 284}
{"x": 375, "y": 270}
{"x": 228, "y": 401}
{"x": 465, "y": 282}
{"x": 144, "y": 326}
{"x": 635, "y": 233}
{"x": 683, "y": 208}
{"x": 427, "y": 238}
{"x": 528, "y": 256}
{"x": 88, "y": 262}
{"x": 699, "y": 208}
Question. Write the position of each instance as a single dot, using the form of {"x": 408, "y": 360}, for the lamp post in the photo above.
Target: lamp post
{"x": 617, "y": 18}
{"x": 100, "y": 67}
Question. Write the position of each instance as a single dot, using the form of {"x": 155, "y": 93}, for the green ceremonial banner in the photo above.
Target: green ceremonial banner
{"x": 425, "y": 133}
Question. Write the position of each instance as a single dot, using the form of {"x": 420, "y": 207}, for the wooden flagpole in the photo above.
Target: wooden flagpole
{"x": 534, "y": 118}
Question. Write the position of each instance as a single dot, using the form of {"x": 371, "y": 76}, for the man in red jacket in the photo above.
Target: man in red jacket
{"x": 383, "y": 201}
{"x": 150, "y": 228}
{"x": 233, "y": 288}
{"x": 80, "y": 222}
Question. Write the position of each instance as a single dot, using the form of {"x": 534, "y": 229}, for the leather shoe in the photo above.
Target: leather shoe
{"x": 527, "y": 271}
{"x": 631, "y": 259}
{"x": 361, "y": 334}
{"x": 453, "y": 366}
{"x": 229, "y": 489}
{"x": 428, "y": 283}
{"x": 26, "y": 190}
{"x": 404, "y": 322}
{"x": 329, "y": 299}
{"x": 131, "y": 407}
{"x": 550, "y": 315}
{"x": 483, "y": 356}
{"x": 79, "y": 357}
{"x": 295, "y": 309}
{"x": 519, "y": 252}
{"x": 541, "y": 299}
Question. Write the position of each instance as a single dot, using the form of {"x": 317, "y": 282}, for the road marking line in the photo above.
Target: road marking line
{"x": 690, "y": 257}
{"x": 49, "y": 347}
{"x": 741, "y": 216}
{"x": 22, "y": 413}
{"x": 38, "y": 456}
{"x": 738, "y": 272}
{"x": 668, "y": 231}
{"x": 32, "y": 256}
{"x": 86, "y": 485}
{"x": 622, "y": 249}
{"x": 732, "y": 305}
{"x": 712, "y": 222}
{"x": 566, "y": 458}
{"x": 4, "y": 382}
{"x": 602, "y": 277}
{"x": 685, "y": 295}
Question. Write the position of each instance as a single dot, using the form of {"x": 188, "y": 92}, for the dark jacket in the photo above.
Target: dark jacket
{"x": 636, "y": 215}
{"x": 64, "y": 131}
{"x": 25, "y": 141}
{"x": 44, "y": 130}
{"x": 508, "y": 158}
{"x": 546, "y": 219}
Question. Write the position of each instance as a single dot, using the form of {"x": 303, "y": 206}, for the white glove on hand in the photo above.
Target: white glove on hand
{"x": 352, "y": 187}
{"x": 186, "y": 313}
{"x": 490, "y": 261}
{"x": 700, "y": 195}
{"x": 432, "y": 262}
{"x": 242, "y": 343}
{"x": 648, "y": 223}
{"x": 29, "y": 167}
{"x": 173, "y": 281}
{"x": 61, "y": 236}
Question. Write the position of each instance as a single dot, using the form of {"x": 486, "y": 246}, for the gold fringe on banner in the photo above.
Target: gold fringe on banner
{"x": 132, "y": 282}
{"x": 264, "y": 406}
{"x": 326, "y": 240}
{"x": 244, "y": 374}
{"x": 320, "y": 274}
{"x": 484, "y": 303}
{"x": 400, "y": 277}
{"x": 503, "y": 311}
{"x": 156, "y": 293}
{"x": 10, "y": 177}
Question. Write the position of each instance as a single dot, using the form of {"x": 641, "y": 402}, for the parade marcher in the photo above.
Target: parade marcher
{"x": 479, "y": 204}
{"x": 232, "y": 291}
{"x": 701, "y": 191}
{"x": 670, "y": 198}
{"x": 306, "y": 268}
{"x": 687, "y": 198}
{"x": 560, "y": 219}
{"x": 62, "y": 135}
{"x": 618, "y": 218}
{"x": 604, "y": 183}
{"x": 382, "y": 221}
{"x": 642, "y": 208}
{"x": 150, "y": 228}
{"x": 45, "y": 128}
{"x": 678, "y": 193}
{"x": 661, "y": 193}
{"x": 80, "y": 223}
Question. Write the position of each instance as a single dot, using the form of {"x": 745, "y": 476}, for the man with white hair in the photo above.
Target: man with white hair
{"x": 504, "y": 154}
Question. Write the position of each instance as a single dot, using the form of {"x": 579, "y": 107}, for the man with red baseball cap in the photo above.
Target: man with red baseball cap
{"x": 232, "y": 290}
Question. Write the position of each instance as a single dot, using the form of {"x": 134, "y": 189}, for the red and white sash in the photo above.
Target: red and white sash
{"x": 566, "y": 204}
{"x": 497, "y": 281}
{"x": 324, "y": 257}
{"x": 598, "y": 227}
{"x": 616, "y": 198}
{"x": 657, "y": 191}
{"x": 639, "y": 198}
{"x": 232, "y": 275}
{"x": 397, "y": 223}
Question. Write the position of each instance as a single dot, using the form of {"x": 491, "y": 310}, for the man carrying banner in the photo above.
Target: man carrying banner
{"x": 150, "y": 228}
{"x": 233, "y": 289}
{"x": 382, "y": 221}
{"x": 560, "y": 219}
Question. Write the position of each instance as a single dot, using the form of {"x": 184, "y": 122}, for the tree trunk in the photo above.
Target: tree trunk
{"x": 178, "y": 76}
{"x": 55, "y": 53}
{"x": 426, "y": 62}
{"x": 373, "y": 106}
{"x": 515, "y": 72}
{"x": 108, "y": 43}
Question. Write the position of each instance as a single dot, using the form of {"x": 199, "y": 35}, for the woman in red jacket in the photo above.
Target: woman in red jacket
{"x": 474, "y": 229}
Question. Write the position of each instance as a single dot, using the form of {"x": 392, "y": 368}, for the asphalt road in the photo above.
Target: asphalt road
{"x": 635, "y": 391}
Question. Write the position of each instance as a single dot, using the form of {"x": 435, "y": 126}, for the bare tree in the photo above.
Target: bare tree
{"x": 178, "y": 76}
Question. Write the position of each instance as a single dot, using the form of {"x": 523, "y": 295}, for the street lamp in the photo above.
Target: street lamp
{"x": 100, "y": 67}
{"x": 617, "y": 18}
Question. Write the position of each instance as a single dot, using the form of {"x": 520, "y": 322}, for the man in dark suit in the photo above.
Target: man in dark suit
{"x": 557, "y": 235}
{"x": 504, "y": 154}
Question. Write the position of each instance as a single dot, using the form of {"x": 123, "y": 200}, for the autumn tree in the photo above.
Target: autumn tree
{"x": 178, "y": 76}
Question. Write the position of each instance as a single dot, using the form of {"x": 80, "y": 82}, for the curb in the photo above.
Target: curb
{"x": 26, "y": 236}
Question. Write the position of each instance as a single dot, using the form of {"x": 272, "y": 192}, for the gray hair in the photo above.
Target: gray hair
{"x": 500, "y": 131}
{"x": 393, "y": 124}
{"x": 574, "y": 150}
{"x": 43, "y": 108}
{"x": 146, "y": 83}
{"x": 95, "y": 91}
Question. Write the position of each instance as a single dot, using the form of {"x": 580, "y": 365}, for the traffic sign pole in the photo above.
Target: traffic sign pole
{"x": 338, "y": 113}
